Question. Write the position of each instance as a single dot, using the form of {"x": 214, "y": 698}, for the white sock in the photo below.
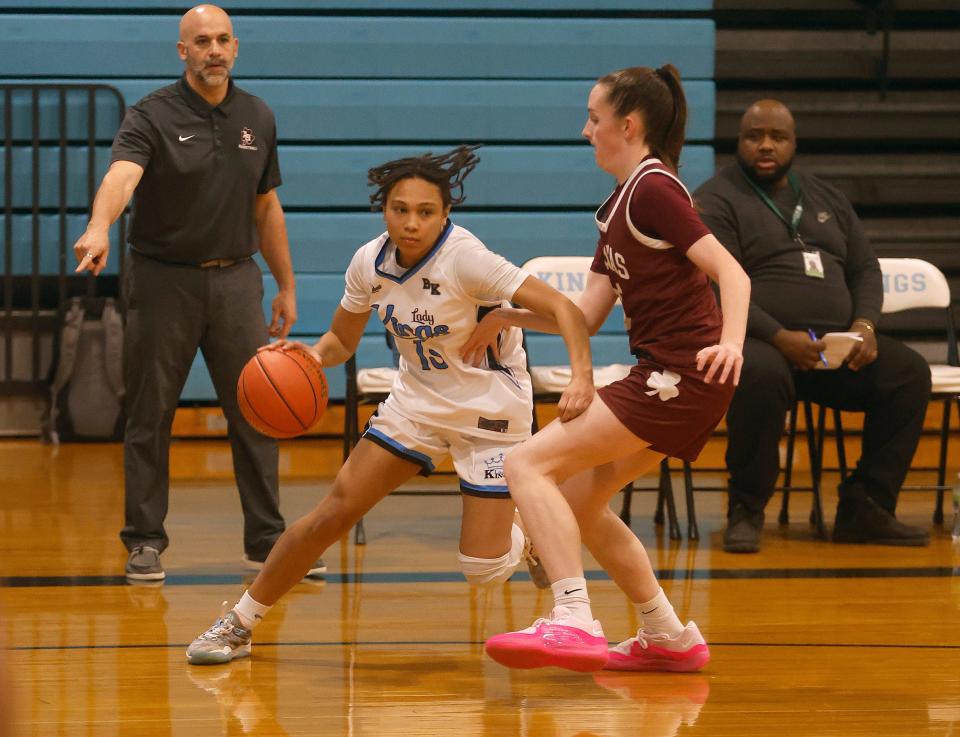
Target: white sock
{"x": 658, "y": 616}
{"x": 250, "y": 611}
{"x": 572, "y": 594}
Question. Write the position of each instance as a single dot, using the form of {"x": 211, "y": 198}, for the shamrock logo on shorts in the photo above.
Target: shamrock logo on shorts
{"x": 664, "y": 384}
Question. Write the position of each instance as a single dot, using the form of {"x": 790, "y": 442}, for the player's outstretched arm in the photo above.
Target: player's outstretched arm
{"x": 725, "y": 359}
{"x": 93, "y": 247}
{"x": 546, "y": 302}
{"x": 595, "y": 302}
{"x": 547, "y": 310}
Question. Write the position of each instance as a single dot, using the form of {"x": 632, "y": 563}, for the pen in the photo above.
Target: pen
{"x": 813, "y": 337}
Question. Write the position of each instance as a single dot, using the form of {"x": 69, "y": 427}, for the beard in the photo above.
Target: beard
{"x": 767, "y": 178}
{"x": 212, "y": 78}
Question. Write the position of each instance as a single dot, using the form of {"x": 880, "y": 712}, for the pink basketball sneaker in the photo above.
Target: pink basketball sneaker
{"x": 560, "y": 640}
{"x": 684, "y": 653}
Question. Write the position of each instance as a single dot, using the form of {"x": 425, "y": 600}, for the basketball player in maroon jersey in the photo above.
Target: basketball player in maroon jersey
{"x": 655, "y": 255}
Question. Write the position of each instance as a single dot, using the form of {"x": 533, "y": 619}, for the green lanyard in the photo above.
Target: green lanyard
{"x": 794, "y": 225}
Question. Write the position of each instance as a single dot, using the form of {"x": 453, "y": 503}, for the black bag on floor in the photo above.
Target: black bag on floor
{"x": 86, "y": 391}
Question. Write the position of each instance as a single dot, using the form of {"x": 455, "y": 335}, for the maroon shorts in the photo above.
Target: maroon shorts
{"x": 671, "y": 408}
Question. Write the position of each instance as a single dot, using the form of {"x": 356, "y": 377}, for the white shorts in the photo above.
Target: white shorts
{"x": 477, "y": 461}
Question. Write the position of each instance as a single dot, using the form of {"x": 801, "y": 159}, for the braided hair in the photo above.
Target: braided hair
{"x": 447, "y": 171}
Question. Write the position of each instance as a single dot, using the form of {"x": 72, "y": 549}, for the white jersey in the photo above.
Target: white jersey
{"x": 431, "y": 310}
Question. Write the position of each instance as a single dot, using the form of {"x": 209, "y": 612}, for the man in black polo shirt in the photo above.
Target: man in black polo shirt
{"x": 199, "y": 158}
{"x": 812, "y": 271}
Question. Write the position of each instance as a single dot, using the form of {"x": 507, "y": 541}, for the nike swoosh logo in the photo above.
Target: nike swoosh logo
{"x": 186, "y": 138}
{"x": 650, "y": 612}
{"x": 567, "y": 593}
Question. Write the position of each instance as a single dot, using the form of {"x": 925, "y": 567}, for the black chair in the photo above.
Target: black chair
{"x": 815, "y": 438}
{"x": 665, "y": 499}
{"x": 814, "y": 433}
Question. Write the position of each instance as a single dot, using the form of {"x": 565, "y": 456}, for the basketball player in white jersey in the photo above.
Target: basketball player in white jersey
{"x": 429, "y": 282}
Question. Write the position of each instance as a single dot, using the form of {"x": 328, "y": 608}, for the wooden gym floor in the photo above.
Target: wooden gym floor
{"x": 808, "y": 638}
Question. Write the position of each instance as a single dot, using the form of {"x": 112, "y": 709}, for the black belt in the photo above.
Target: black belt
{"x": 220, "y": 263}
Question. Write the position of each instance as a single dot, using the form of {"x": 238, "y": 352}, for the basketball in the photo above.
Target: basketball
{"x": 282, "y": 393}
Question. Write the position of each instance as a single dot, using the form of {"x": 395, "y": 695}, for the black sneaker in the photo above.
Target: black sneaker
{"x": 317, "y": 570}
{"x": 743, "y": 530}
{"x": 861, "y": 520}
{"x": 144, "y": 564}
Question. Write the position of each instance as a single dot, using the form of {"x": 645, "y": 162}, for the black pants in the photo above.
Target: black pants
{"x": 892, "y": 392}
{"x": 171, "y": 311}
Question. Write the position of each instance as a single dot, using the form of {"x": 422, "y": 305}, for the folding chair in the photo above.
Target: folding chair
{"x": 912, "y": 283}
{"x": 815, "y": 439}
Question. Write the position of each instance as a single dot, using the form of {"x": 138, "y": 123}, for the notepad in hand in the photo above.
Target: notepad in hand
{"x": 838, "y": 346}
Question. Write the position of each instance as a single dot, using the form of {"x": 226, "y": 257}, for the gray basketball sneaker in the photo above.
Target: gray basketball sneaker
{"x": 226, "y": 640}
{"x": 143, "y": 564}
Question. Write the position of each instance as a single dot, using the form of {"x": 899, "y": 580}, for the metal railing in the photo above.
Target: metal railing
{"x": 37, "y": 121}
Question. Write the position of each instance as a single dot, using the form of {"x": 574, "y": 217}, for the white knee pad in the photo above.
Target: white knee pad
{"x": 488, "y": 571}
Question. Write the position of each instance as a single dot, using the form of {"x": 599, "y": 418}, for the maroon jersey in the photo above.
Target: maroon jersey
{"x": 646, "y": 227}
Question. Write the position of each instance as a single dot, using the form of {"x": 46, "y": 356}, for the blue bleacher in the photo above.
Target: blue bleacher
{"x": 377, "y": 110}
{"x": 354, "y": 83}
{"x": 309, "y": 47}
{"x": 508, "y": 176}
{"x": 381, "y": 5}
{"x": 336, "y": 176}
{"x": 325, "y": 242}
{"x": 49, "y": 242}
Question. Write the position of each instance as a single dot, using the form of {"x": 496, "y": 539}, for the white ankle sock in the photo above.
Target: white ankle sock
{"x": 658, "y": 616}
{"x": 572, "y": 594}
{"x": 250, "y": 611}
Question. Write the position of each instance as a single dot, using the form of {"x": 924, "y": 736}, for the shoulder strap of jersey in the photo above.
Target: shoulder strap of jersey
{"x": 646, "y": 240}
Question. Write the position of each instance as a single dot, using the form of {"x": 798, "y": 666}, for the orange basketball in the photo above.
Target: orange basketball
{"x": 282, "y": 393}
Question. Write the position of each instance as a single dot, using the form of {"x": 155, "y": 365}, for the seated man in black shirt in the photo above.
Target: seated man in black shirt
{"x": 812, "y": 272}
